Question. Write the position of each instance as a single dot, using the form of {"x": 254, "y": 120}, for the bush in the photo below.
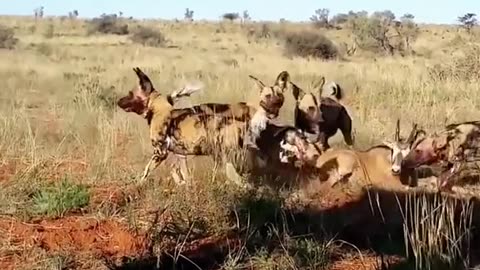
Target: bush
{"x": 58, "y": 199}
{"x": 148, "y": 37}
{"x": 50, "y": 32}
{"x": 108, "y": 24}
{"x": 309, "y": 44}
{"x": 7, "y": 38}
{"x": 464, "y": 67}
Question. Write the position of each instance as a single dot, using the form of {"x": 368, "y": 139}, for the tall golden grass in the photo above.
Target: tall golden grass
{"x": 58, "y": 116}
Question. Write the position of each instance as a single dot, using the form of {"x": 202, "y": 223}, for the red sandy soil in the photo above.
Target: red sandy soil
{"x": 8, "y": 169}
{"x": 366, "y": 262}
{"x": 75, "y": 234}
{"x": 116, "y": 196}
{"x": 90, "y": 237}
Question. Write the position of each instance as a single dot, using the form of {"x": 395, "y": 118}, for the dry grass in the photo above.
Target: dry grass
{"x": 58, "y": 117}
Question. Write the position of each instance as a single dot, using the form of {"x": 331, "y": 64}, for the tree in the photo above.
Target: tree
{"x": 373, "y": 32}
{"x": 407, "y": 29}
{"x": 407, "y": 16}
{"x": 320, "y": 18}
{"x": 340, "y": 18}
{"x": 73, "y": 14}
{"x": 188, "y": 16}
{"x": 246, "y": 16}
{"x": 468, "y": 21}
{"x": 231, "y": 16}
{"x": 385, "y": 15}
{"x": 38, "y": 12}
{"x": 353, "y": 15}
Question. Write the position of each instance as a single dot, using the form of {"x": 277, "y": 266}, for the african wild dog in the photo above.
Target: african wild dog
{"x": 320, "y": 117}
{"x": 280, "y": 154}
{"x": 451, "y": 148}
{"x": 195, "y": 130}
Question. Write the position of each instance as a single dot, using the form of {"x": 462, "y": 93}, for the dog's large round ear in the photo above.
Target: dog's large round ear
{"x": 282, "y": 79}
{"x": 440, "y": 142}
{"x": 419, "y": 136}
{"x": 145, "y": 83}
{"x": 318, "y": 84}
{"x": 258, "y": 82}
{"x": 297, "y": 92}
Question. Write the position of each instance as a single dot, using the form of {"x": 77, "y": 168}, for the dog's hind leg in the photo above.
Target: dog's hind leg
{"x": 183, "y": 170}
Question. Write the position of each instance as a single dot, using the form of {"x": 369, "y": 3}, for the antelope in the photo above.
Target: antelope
{"x": 378, "y": 164}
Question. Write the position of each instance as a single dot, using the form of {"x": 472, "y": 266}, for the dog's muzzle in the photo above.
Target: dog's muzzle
{"x": 289, "y": 151}
{"x": 311, "y": 137}
{"x": 272, "y": 108}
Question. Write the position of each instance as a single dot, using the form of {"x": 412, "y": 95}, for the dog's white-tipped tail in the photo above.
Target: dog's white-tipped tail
{"x": 187, "y": 90}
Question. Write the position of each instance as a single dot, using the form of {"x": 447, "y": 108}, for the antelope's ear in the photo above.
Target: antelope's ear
{"x": 389, "y": 144}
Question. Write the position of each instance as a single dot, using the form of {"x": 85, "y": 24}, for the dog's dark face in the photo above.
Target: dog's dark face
{"x": 137, "y": 99}
{"x": 272, "y": 97}
{"x": 307, "y": 108}
{"x": 427, "y": 151}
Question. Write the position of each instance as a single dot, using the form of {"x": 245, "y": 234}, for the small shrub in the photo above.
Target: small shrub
{"x": 91, "y": 94}
{"x": 7, "y": 38}
{"x": 461, "y": 68}
{"x": 309, "y": 44}
{"x": 108, "y": 24}
{"x": 148, "y": 37}
{"x": 259, "y": 33}
{"x": 310, "y": 254}
{"x": 44, "y": 49}
{"x": 50, "y": 32}
{"x": 58, "y": 199}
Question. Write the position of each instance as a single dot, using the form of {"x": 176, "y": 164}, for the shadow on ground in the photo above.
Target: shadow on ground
{"x": 372, "y": 221}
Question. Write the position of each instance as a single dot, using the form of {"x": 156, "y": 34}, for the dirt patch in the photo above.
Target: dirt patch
{"x": 8, "y": 170}
{"x": 75, "y": 234}
{"x": 72, "y": 167}
{"x": 367, "y": 262}
{"x": 112, "y": 196}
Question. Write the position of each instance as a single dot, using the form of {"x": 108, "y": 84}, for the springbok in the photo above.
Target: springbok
{"x": 377, "y": 165}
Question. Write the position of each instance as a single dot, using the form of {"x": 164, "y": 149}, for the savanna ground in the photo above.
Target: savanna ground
{"x": 69, "y": 157}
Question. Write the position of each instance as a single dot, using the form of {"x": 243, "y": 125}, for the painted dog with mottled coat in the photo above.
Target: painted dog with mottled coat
{"x": 319, "y": 117}
{"x": 449, "y": 149}
{"x": 196, "y": 130}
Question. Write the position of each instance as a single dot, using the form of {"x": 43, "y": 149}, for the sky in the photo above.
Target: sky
{"x": 425, "y": 11}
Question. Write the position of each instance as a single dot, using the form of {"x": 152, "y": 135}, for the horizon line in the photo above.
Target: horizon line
{"x": 219, "y": 19}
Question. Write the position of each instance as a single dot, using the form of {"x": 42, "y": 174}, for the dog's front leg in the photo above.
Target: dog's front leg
{"x": 157, "y": 158}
